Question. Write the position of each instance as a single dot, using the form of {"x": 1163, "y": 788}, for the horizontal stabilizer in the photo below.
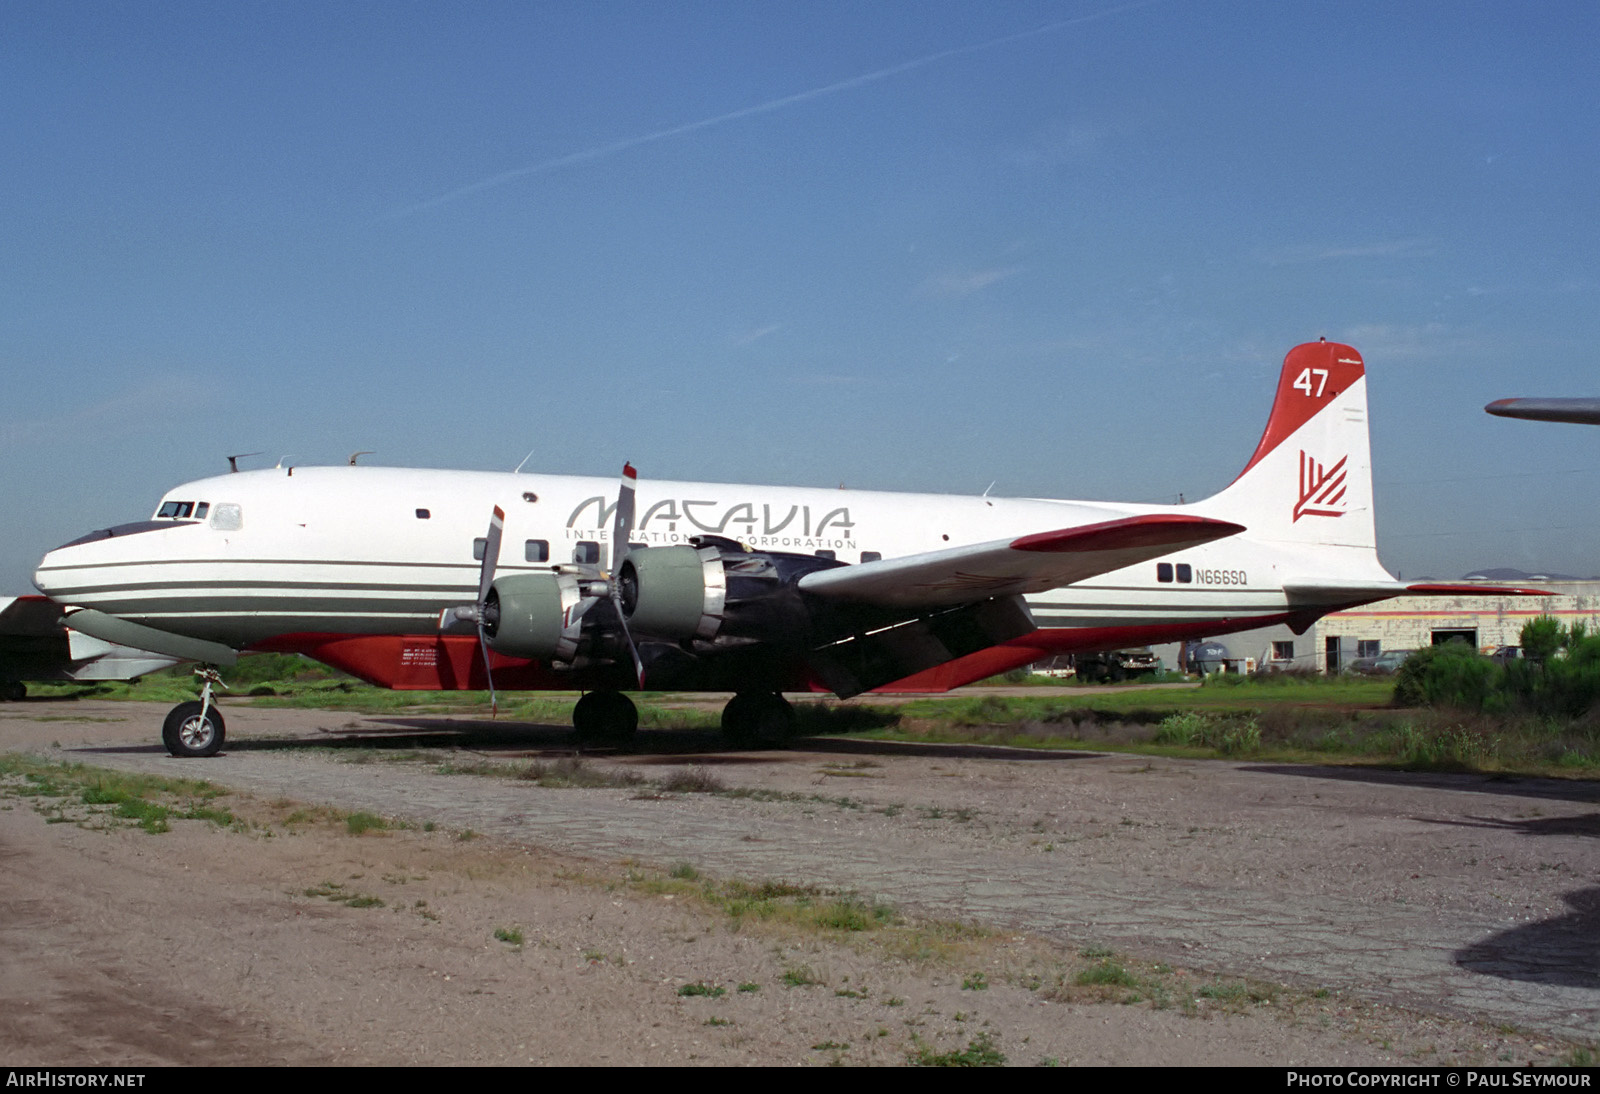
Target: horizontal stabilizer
{"x": 1326, "y": 591}
{"x": 1007, "y": 567}
{"x": 1474, "y": 590}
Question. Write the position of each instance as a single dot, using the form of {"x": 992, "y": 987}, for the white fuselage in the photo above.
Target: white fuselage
{"x": 376, "y": 550}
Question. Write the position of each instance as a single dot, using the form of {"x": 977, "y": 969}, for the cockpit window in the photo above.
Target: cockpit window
{"x": 183, "y": 510}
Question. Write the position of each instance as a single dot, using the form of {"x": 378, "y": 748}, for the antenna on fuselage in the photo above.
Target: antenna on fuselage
{"x": 356, "y": 455}
{"x": 233, "y": 461}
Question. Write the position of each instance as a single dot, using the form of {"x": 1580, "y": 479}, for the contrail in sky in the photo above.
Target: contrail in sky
{"x": 612, "y": 149}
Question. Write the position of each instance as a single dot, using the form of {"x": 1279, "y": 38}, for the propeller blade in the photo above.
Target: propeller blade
{"x": 621, "y": 532}
{"x": 488, "y": 674}
{"x": 491, "y": 555}
{"x": 622, "y": 525}
{"x": 491, "y": 558}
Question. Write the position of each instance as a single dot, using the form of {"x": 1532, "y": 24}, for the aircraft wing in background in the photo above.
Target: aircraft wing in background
{"x": 1582, "y": 411}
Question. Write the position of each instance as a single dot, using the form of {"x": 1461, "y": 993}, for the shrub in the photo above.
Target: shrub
{"x": 1452, "y": 675}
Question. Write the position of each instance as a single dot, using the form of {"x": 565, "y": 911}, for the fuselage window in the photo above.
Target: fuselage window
{"x": 175, "y": 510}
{"x": 586, "y": 552}
{"x": 201, "y": 509}
{"x": 423, "y": 514}
{"x": 536, "y": 550}
{"x": 1185, "y": 574}
{"x": 479, "y": 546}
{"x": 871, "y": 556}
{"x": 1163, "y": 571}
{"x": 637, "y": 546}
{"x": 826, "y": 554}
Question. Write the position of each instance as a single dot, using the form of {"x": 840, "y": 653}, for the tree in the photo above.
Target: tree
{"x": 1541, "y": 638}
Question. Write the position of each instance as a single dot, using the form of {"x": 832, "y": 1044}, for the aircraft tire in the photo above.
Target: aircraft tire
{"x": 187, "y": 735}
{"x": 758, "y": 719}
{"x": 605, "y": 716}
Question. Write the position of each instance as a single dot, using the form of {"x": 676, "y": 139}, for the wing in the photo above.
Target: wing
{"x": 1007, "y": 567}
{"x": 1582, "y": 411}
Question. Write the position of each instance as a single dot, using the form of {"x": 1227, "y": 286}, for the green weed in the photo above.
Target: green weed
{"x": 800, "y": 976}
{"x": 981, "y": 1051}
{"x": 358, "y": 823}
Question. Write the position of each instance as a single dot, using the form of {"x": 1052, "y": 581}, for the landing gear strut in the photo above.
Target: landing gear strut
{"x": 605, "y": 716}
{"x": 196, "y": 729}
{"x": 763, "y": 719}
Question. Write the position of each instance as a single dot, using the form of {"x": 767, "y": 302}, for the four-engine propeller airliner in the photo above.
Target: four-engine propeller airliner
{"x": 427, "y": 579}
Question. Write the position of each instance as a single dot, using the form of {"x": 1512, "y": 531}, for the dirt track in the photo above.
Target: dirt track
{"x": 1468, "y": 901}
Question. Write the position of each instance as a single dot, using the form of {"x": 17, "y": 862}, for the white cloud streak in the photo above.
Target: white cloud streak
{"x": 756, "y": 335}
{"x": 1386, "y": 248}
{"x": 954, "y": 284}
{"x": 588, "y": 155}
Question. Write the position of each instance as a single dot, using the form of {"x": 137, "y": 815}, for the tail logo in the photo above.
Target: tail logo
{"x": 1321, "y": 488}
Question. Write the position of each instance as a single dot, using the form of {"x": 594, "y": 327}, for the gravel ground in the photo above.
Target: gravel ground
{"x": 1375, "y": 917}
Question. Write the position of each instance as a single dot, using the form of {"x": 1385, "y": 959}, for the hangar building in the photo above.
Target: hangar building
{"x": 1408, "y": 623}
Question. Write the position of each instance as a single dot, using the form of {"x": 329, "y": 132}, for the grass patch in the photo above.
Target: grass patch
{"x": 1106, "y": 973}
{"x": 572, "y": 772}
{"x": 800, "y": 976}
{"x": 77, "y": 793}
{"x": 701, "y": 988}
{"x": 359, "y": 823}
{"x": 335, "y": 891}
{"x": 691, "y": 780}
{"x": 981, "y": 1051}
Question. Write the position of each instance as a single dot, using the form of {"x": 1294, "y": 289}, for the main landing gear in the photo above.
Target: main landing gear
{"x": 752, "y": 719}
{"x": 196, "y": 729}
{"x": 759, "y": 719}
{"x": 607, "y": 717}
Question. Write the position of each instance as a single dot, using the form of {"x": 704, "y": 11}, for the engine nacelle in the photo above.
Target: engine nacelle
{"x": 537, "y": 616}
{"x": 674, "y": 592}
{"x": 716, "y": 589}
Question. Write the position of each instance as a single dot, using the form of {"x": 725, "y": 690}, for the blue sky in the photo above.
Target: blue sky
{"x": 1060, "y": 247}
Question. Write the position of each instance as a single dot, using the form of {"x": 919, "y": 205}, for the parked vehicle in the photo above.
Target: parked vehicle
{"x": 1384, "y": 664}
{"x": 1111, "y": 666}
{"x": 1206, "y": 657}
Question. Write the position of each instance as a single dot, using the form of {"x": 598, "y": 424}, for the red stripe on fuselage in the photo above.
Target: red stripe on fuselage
{"x": 452, "y": 662}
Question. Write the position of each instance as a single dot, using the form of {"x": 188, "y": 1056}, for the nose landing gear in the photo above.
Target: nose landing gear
{"x": 195, "y": 729}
